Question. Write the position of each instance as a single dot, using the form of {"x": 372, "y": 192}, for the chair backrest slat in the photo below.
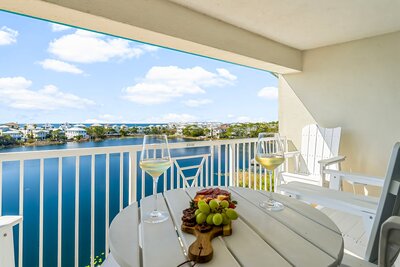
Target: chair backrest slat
{"x": 389, "y": 203}
{"x": 318, "y": 143}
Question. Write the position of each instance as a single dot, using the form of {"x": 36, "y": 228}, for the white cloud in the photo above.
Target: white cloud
{"x": 196, "y": 102}
{"x": 58, "y": 27}
{"x": 268, "y": 93}
{"x": 15, "y": 93}
{"x": 163, "y": 84}
{"x": 249, "y": 119}
{"x": 173, "y": 117}
{"x": 7, "y": 36}
{"x": 60, "y": 66}
{"x": 226, "y": 74}
{"x": 106, "y": 118}
{"x": 149, "y": 48}
{"x": 89, "y": 47}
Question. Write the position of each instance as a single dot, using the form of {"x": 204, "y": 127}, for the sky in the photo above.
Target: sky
{"x": 55, "y": 73}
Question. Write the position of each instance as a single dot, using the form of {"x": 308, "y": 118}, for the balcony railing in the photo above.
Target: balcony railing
{"x": 108, "y": 178}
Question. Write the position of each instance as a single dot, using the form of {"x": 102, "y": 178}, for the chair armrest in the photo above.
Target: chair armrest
{"x": 9, "y": 221}
{"x": 389, "y": 243}
{"x": 356, "y": 178}
{"x": 333, "y": 160}
{"x": 291, "y": 154}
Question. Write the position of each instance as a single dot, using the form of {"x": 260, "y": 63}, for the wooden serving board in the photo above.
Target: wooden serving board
{"x": 201, "y": 250}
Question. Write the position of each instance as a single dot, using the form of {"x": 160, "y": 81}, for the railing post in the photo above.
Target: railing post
{"x": 212, "y": 165}
{"x": 132, "y": 176}
{"x": 231, "y": 164}
{"x": 1, "y": 187}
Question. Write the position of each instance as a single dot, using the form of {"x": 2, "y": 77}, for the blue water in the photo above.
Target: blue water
{"x": 31, "y": 197}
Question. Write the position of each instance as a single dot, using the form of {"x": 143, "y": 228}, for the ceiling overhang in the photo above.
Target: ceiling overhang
{"x": 166, "y": 24}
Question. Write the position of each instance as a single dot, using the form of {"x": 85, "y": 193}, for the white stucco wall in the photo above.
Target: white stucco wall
{"x": 354, "y": 85}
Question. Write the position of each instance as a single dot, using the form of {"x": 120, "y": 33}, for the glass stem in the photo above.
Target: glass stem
{"x": 155, "y": 182}
{"x": 271, "y": 197}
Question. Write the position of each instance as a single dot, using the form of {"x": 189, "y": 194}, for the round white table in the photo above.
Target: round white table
{"x": 299, "y": 235}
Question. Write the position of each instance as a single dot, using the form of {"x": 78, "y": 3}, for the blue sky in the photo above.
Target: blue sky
{"x": 54, "y": 73}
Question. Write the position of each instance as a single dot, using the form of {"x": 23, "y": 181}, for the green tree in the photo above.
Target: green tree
{"x": 96, "y": 132}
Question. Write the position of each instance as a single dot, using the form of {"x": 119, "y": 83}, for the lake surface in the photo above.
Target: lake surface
{"x": 31, "y": 197}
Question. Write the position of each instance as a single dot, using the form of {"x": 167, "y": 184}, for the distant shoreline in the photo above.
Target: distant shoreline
{"x": 40, "y": 143}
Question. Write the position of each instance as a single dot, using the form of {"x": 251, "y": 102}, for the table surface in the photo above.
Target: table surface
{"x": 299, "y": 235}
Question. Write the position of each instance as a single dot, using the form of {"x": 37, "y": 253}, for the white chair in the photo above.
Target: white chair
{"x": 389, "y": 247}
{"x": 374, "y": 211}
{"x": 7, "y": 240}
{"x": 319, "y": 151}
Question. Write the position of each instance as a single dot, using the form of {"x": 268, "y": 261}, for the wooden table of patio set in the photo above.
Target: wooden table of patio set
{"x": 299, "y": 235}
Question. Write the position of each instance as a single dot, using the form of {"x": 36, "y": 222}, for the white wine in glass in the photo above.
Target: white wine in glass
{"x": 270, "y": 155}
{"x": 155, "y": 160}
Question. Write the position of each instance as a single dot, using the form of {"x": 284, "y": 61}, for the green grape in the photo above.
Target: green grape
{"x": 225, "y": 219}
{"x": 209, "y": 219}
{"x": 204, "y": 208}
{"x": 201, "y": 218}
{"x": 197, "y": 212}
{"x": 217, "y": 219}
{"x": 232, "y": 214}
{"x": 201, "y": 202}
{"x": 213, "y": 204}
{"x": 224, "y": 204}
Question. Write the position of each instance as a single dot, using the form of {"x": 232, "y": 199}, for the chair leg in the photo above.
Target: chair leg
{"x": 7, "y": 247}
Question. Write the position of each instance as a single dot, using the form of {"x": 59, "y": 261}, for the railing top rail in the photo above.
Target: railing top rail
{"x": 57, "y": 153}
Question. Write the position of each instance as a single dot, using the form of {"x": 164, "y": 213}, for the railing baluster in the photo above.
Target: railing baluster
{"x": 219, "y": 165}
{"x": 41, "y": 194}
{"x": 107, "y": 223}
{"x": 21, "y": 212}
{"x": 143, "y": 183}
{"x": 255, "y": 164}
{"x": 207, "y": 172}
{"x": 1, "y": 187}
{"x": 59, "y": 219}
{"x": 172, "y": 176}
{"x": 212, "y": 166}
{"x": 77, "y": 160}
{"x": 92, "y": 206}
{"x": 260, "y": 173}
{"x": 231, "y": 164}
{"x": 121, "y": 181}
{"x": 249, "y": 164}
{"x": 226, "y": 165}
{"x": 132, "y": 176}
{"x": 243, "y": 164}
{"x": 237, "y": 163}
{"x": 201, "y": 172}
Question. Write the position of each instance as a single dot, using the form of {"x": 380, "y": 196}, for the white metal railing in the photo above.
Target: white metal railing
{"x": 231, "y": 159}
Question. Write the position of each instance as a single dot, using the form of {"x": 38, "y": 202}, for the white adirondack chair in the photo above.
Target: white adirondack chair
{"x": 319, "y": 151}
{"x": 7, "y": 240}
{"x": 373, "y": 210}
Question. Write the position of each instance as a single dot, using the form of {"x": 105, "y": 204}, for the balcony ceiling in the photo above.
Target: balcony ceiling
{"x": 305, "y": 24}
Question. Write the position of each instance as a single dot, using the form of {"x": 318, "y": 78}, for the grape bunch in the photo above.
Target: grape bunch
{"x": 214, "y": 212}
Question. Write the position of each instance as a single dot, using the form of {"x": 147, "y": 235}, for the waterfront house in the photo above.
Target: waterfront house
{"x": 48, "y": 126}
{"x": 116, "y": 128}
{"x": 17, "y": 135}
{"x": 4, "y": 128}
{"x": 124, "y": 127}
{"x": 12, "y": 125}
{"x": 74, "y": 132}
{"x": 40, "y": 134}
{"x": 97, "y": 125}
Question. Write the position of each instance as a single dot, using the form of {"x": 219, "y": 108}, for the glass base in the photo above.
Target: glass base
{"x": 272, "y": 205}
{"x": 155, "y": 216}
